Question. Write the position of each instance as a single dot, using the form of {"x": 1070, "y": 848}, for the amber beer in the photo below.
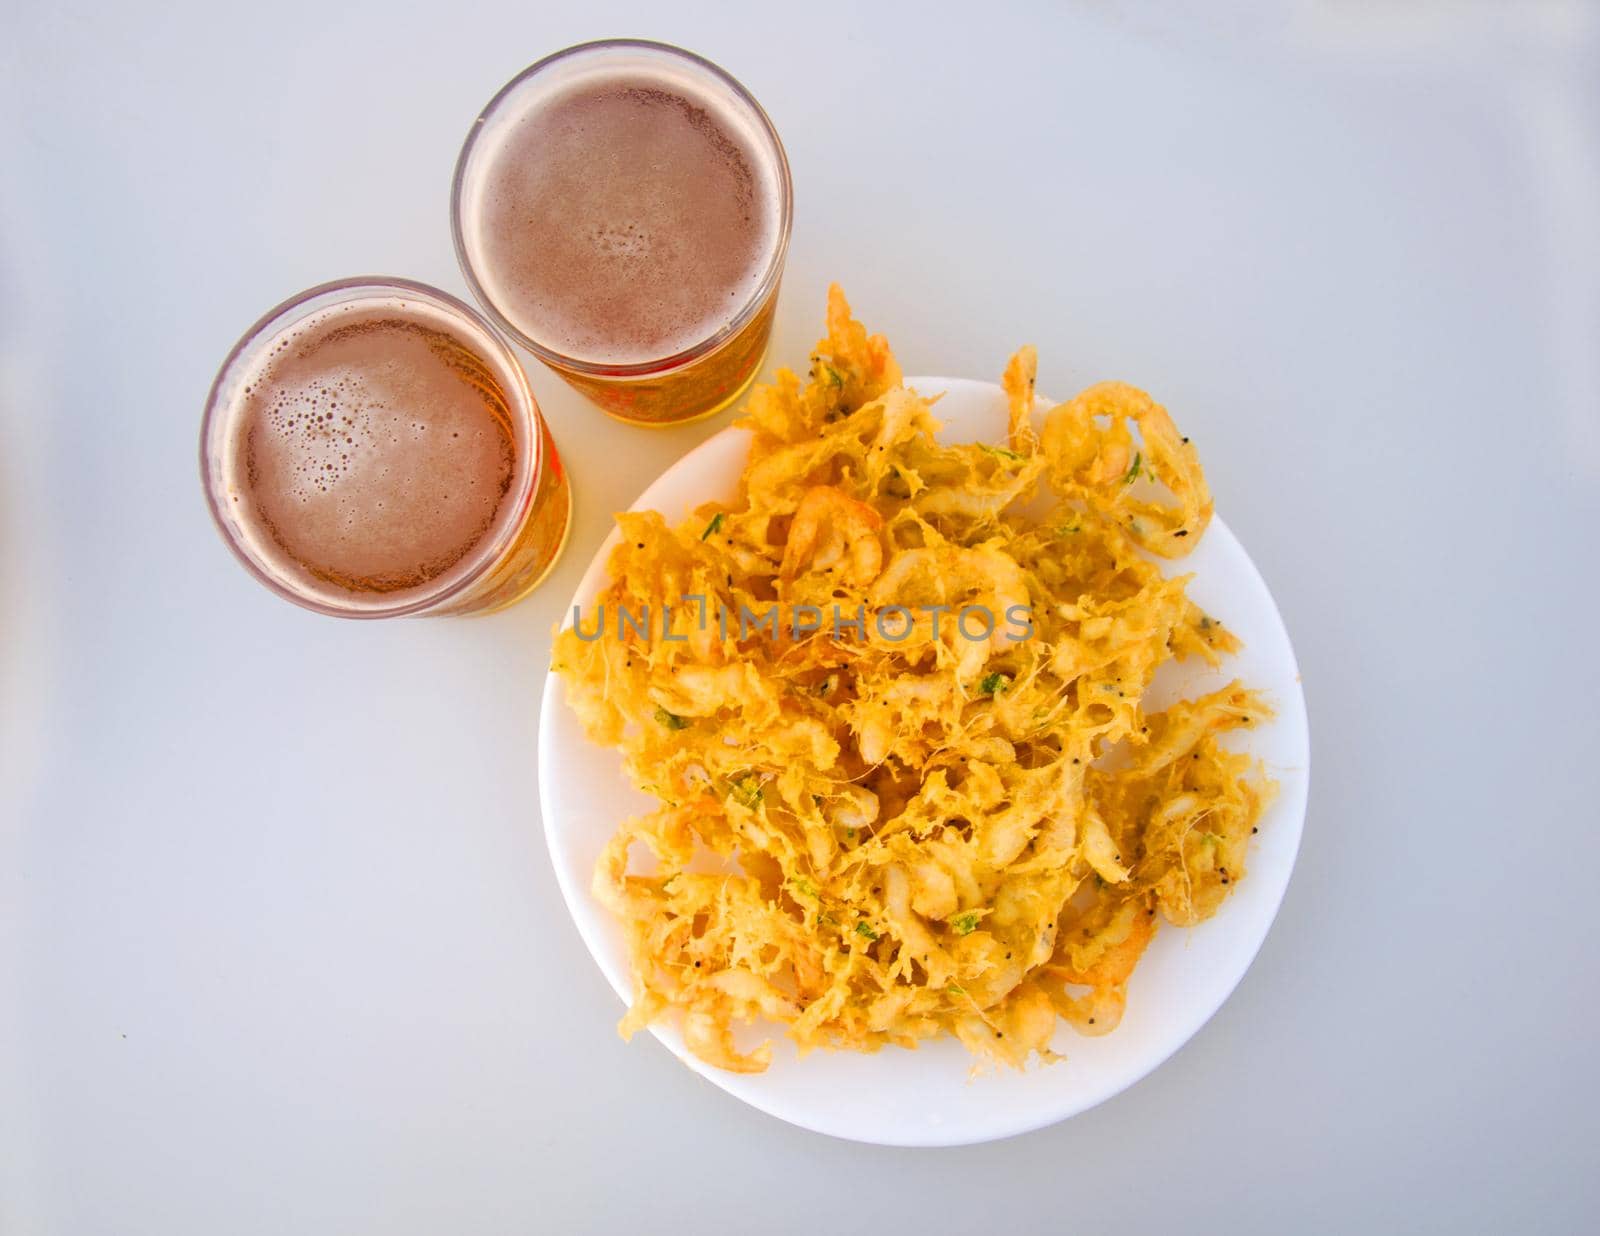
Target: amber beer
{"x": 371, "y": 449}
{"x": 623, "y": 209}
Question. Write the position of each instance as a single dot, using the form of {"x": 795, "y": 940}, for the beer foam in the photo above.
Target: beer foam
{"x": 374, "y": 449}
{"x": 624, "y": 219}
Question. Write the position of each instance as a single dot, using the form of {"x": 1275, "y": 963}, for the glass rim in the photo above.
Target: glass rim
{"x": 282, "y": 317}
{"x": 676, "y": 360}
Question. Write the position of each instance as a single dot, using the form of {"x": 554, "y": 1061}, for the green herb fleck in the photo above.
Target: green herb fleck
{"x": 671, "y": 720}
{"x": 966, "y": 923}
{"x": 955, "y": 989}
{"x": 1133, "y": 469}
{"x": 713, "y": 527}
{"x": 863, "y": 930}
{"x": 747, "y": 790}
{"x": 1014, "y": 456}
{"x": 805, "y": 888}
{"x": 993, "y": 684}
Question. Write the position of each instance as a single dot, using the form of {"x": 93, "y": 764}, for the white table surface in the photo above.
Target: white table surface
{"x": 280, "y": 947}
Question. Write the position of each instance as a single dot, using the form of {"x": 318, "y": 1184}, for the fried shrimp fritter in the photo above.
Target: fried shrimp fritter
{"x": 876, "y": 827}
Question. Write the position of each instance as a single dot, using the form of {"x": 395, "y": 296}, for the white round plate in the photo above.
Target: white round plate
{"x": 925, "y": 1097}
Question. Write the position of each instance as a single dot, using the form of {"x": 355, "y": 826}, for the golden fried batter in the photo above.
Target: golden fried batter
{"x": 908, "y": 785}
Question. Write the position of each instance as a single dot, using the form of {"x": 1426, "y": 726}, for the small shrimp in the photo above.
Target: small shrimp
{"x": 1013, "y": 1029}
{"x": 1099, "y": 465}
{"x": 879, "y": 722}
{"x": 1099, "y": 850}
{"x": 1177, "y": 731}
{"x": 753, "y": 995}
{"x": 1018, "y": 381}
{"x": 831, "y": 529}
{"x": 708, "y": 1035}
{"x": 851, "y": 806}
{"x": 905, "y": 414}
{"x": 736, "y": 993}
{"x": 876, "y": 734}
{"x": 981, "y": 577}
{"x": 1101, "y": 1009}
{"x": 917, "y": 942}
{"x": 703, "y": 690}
{"x": 1094, "y": 1014}
{"x": 933, "y": 889}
